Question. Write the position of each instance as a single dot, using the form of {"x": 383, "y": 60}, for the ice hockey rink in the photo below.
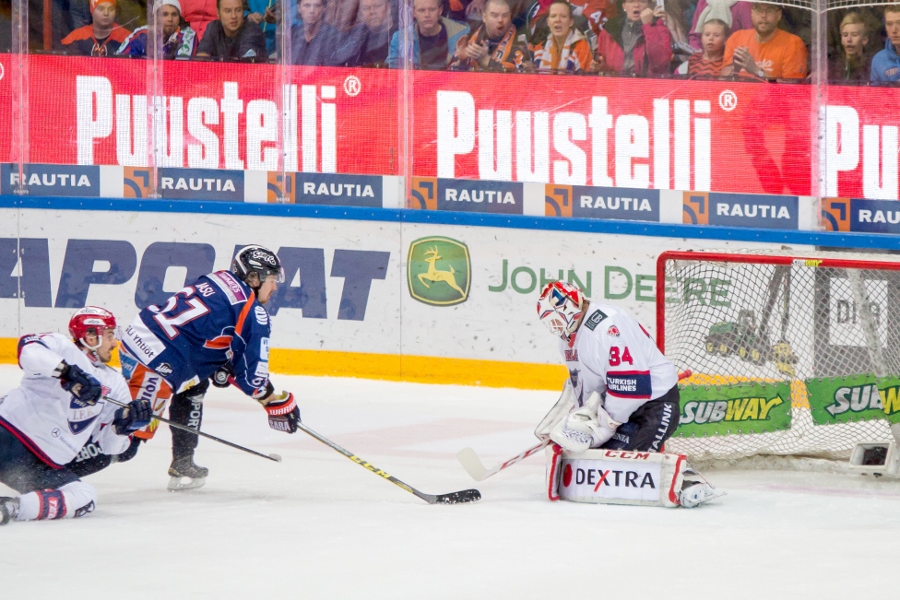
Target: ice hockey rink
{"x": 320, "y": 526}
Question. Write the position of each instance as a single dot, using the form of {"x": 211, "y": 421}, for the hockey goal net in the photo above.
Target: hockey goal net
{"x": 794, "y": 354}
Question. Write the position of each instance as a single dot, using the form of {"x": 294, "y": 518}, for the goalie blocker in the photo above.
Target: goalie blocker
{"x": 625, "y": 477}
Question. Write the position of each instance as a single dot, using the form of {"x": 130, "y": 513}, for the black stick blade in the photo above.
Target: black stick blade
{"x": 472, "y": 495}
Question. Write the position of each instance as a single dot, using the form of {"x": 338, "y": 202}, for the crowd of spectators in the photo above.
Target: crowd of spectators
{"x": 643, "y": 38}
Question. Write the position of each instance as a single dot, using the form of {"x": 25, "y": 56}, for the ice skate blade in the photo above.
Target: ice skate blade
{"x": 180, "y": 484}
{"x": 708, "y": 498}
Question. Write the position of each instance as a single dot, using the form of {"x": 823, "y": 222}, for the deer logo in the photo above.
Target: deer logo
{"x": 439, "y": 271}
{"x": 434, "y": 275}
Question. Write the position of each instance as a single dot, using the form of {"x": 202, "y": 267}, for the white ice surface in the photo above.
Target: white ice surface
{"x": 320, "y": 526}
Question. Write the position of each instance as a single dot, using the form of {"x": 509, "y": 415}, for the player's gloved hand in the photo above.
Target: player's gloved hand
{"x": 130, "y": 418}
{"x": 283, "y": 412}
{"x": 223, "y": 376}
{"x": 78, "y": 383}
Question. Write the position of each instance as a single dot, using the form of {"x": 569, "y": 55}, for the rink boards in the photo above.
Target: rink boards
{"x": 369, "y": 293}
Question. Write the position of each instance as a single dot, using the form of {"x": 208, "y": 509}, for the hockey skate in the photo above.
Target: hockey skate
{"x": 9, "y": 508}
{"x": 185, "y": 475}
{"x": 698, "y": 493}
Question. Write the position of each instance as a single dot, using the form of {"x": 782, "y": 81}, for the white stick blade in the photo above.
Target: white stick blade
{"x": 471, "y": 463}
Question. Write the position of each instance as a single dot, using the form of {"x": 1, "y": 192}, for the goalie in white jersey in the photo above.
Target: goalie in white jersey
{"x": 59, "y": 407}
{"x": 607, "y": 351}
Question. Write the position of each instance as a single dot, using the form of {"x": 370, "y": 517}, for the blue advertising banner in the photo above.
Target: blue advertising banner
{"x": 464, "y": 195}
{"x": 339, "y": 190}
{"x": 52, "y": 180}
{"x": 741, "y": 210}
{"x": 201, "y": 184}
{"x": 875, "y": 216}
{"x": 602, "y": 202}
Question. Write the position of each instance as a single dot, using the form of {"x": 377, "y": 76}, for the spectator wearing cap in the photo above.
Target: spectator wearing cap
{"x": 180, "y": 40}
{"x": 635, "y": 42}
{"x": 232, "y": 37}
{"x": 102, "y": 37}
{"x": 886, "y": 64}
{"x": 765, "y": 51}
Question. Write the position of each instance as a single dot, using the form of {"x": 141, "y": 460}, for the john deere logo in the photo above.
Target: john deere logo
{"x": 438, "y": 271}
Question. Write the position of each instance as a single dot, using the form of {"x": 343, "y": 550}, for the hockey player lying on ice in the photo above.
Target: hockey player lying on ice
{"x": 59, "y": 407}
{"x": 624, "y": 391}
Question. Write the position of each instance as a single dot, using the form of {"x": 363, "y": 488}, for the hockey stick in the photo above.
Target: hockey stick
{"x": 470, "y": 495}
{"x": 476, "y": 469}
{"x": 274, "y": 457}
{"x": 473, "y": 466}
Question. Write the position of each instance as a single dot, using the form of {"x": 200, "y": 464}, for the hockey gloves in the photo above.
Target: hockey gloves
{"x": 223, "y": 377}
{"x": 283, "y": 412}
{"x": 130, "y": 418}
{"x": 78, "y": 383}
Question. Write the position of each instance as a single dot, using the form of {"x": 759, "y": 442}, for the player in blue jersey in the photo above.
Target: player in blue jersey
{"x": 216, "y": 324}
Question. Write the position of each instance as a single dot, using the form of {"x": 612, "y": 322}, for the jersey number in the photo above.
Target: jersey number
{"x": 194, "y": 310}
{"x": 615, "y": 360}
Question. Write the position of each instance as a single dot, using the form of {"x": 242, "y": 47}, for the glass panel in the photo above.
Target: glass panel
{"x": 5, "y": 26}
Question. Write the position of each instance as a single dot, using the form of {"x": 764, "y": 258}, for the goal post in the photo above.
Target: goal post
{"x": 792, "y": 353}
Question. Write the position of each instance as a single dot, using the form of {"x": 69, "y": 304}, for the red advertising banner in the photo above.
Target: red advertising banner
{"x": 702, "y": 136}
{"x": 633, "y": 133}
{"x": 861, "y": 149}
{"x": 215, "y": 115}
{"x": 5, "y": 107}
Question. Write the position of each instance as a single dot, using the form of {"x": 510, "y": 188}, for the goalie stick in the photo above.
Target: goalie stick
{"x": 470, "y": 495}
{"x": 273, "y": 456}
{"x": 476, "y": 469}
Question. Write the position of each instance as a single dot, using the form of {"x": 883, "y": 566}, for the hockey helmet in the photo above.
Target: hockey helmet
{"x": 259, "y": 260}
{"x": 91, "y": 319}
{"x": 560, "y": 308}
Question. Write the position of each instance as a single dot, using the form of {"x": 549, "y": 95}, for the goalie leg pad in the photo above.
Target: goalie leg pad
{"x": 558, "y": 413}
{"x": 615, "y": 477}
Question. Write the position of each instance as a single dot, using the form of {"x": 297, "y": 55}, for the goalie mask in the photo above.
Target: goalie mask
{"x": 91, "y": 319}
{"x": 560, "y": 308}
{"x": 259, "y": 260}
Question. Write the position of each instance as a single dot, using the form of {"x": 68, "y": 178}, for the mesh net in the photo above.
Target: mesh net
{"x": 795, "y": 321}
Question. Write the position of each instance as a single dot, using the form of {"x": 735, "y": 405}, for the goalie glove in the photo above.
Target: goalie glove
{"x": 82, "y": 385}
{"x": 584, "y": 429}
{"x": 283, "y": 412}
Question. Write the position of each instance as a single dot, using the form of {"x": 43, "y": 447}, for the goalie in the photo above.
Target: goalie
{"x": 624, "y": 392}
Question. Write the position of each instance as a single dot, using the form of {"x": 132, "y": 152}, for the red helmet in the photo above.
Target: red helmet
{"x": 90, "y": 319}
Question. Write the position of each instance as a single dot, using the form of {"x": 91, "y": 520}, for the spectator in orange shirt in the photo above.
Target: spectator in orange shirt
{"x": 708, "y": 63}
{"x": 566, "y": 48}
{"x": 765, "y": 51}
{"x": 102, "y": 37}
{"x": 493, "y": 46}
